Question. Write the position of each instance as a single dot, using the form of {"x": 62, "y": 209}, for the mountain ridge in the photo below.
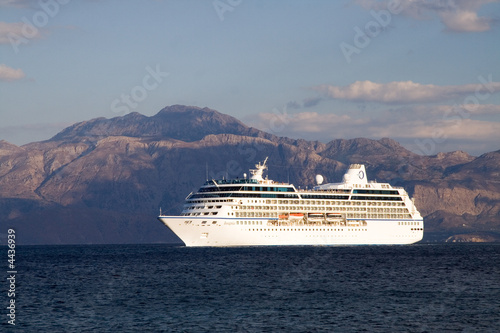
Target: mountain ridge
{"x": 170, "y": 122}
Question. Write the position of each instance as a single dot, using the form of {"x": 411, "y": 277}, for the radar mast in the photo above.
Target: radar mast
{"x": 259, "y": 170}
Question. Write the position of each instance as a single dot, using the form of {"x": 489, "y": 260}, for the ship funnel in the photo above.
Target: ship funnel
{"x": 356, "y": 174}
{"x": 319, "y": 179}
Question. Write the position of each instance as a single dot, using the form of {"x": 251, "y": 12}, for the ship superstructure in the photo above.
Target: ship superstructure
{"x": 258, "y": 211}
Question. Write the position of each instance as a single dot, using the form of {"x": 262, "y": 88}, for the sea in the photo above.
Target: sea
{"x": 165, "y": 288}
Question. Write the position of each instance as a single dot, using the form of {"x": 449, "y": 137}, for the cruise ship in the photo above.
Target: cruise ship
{"x": 257, "y": 211}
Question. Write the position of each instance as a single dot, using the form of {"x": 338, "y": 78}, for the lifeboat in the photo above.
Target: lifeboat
{"x": 315, "y": 216}
{"x": 333, "y": 216}
{"x": 296, "y": 216}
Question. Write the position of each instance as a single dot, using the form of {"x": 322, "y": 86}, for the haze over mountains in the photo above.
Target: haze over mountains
{"x": 104, "y": 180}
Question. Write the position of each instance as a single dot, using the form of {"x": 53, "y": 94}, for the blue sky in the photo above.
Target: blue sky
{"x": 425, "y": 73}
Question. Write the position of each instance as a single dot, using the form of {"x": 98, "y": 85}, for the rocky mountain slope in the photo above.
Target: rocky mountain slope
{"x": 104, "y": 180}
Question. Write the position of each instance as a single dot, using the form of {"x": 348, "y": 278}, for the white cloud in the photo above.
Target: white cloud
{"x": 402, "y": 92}
{"x": 472, "y": 109}
{"x": 17, "y": 31}
{"x": 17, "y": 3}
{"x": 457, "y": 128}
{"x": 465, "y": 21}
{"x": 7, "y": 29}
{"x": 445, "y": 126}
{"x": 456, "y": 15}
{"x": 10, "y": 74}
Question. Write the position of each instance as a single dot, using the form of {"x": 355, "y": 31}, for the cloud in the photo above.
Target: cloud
{"x": 7, "y": 29}
{"x": 402, "y": 92}
{"x": 444, "y": 126}
{"x": 293, "y": 105}
{"x": 472, "y": 109}
{"x": 307, "y": 125}
{"x": 306, "y": 103}
{"x": 442, "y": 129}
{"x": 456, "y": 15}
{"x": 465, "y": 21}
{"x": 310, "y": 102}
{"x": 14, "y": 32}
{"x": 10, "y": 74}
{"x": 18, "y": 3}
{"x": 329, "y": 126}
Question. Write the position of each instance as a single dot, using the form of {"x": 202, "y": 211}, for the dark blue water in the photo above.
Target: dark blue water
{"x": 154, "y": 288}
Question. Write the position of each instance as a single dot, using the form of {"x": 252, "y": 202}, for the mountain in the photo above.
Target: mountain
{"x": 175, "y": 122}
{"x": 104, "y": 180}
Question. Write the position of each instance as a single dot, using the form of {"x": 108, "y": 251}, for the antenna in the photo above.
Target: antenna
{"x": 258, "y": 172}
{"x": 264, "y": 164}
{"x": 206, "y": 170}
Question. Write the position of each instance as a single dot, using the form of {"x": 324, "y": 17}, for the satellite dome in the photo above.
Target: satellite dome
{"x": 319, "y": 179}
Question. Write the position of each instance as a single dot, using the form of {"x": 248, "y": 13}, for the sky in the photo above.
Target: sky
{"x": 424, "y": 73}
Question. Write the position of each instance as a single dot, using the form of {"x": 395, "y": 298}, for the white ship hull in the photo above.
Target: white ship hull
{"x": 225, "y": 232}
